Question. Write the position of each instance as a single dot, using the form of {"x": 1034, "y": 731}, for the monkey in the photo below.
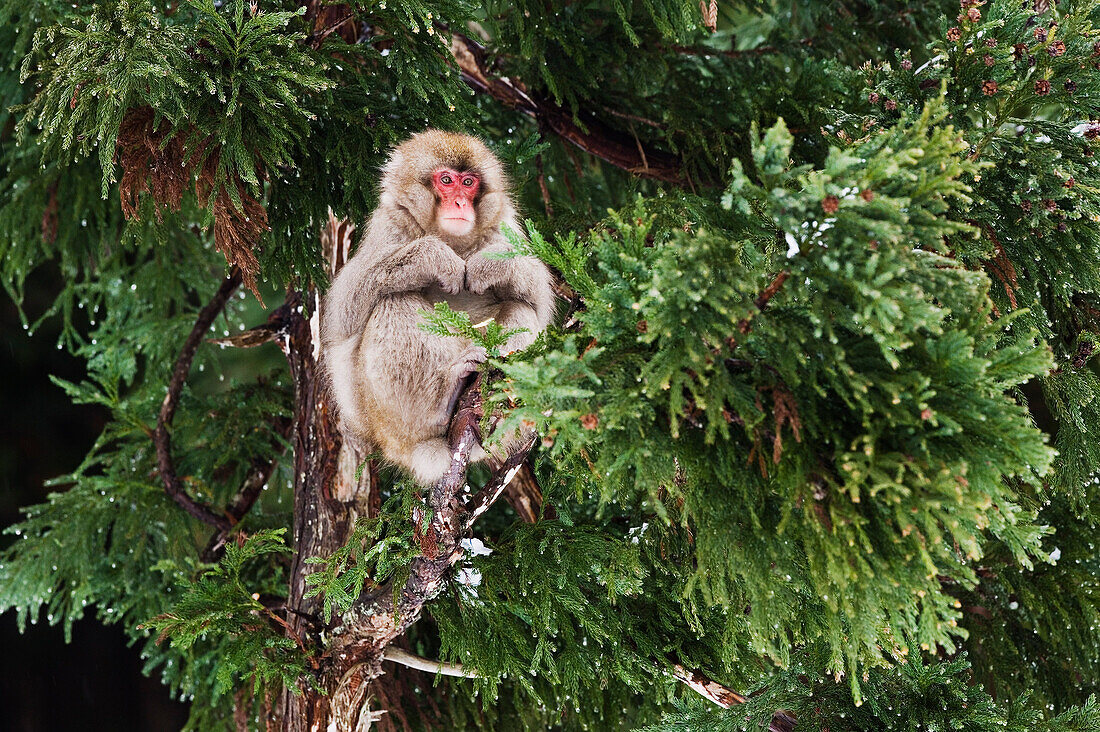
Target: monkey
{"x": 443, "y": 198}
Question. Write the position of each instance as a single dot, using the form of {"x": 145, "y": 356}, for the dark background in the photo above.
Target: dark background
{"x": 94, "y": 683}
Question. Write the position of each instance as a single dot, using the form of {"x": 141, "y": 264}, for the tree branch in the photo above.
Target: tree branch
{"x": 173, "y": 486}
{"x": 733, "y": 52}
{"x": 598, "y": 140}
{"x": 403, "y": 657}
{"x": 502, "y": 476}
{"x": 525, "y": 496}
{"x": 369, "y": 628}
{"x": 725, "y": 697}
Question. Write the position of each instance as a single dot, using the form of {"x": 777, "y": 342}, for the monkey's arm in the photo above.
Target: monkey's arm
{"x": 375, "y": 272}
{"x": 520, "y": 280}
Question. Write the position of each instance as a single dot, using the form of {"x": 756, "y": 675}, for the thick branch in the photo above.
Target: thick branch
{"x": 173, "y": 486}
{"x": 599, "y": 140}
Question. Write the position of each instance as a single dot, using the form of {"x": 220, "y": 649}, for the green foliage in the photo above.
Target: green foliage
{"x": 489, "y": 334}
{"x": 89, "y": 81}
{"x": 913, "y": 696}
{"x": 891, "y": 339}
{"x": 225, "y": 602}
{"x": 816, "y": 421}
{"x": 589, "y": 618}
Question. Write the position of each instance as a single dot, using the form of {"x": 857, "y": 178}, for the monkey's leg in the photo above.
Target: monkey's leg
{"x": 430, "y": 458}
{"x": 401, "y": 383}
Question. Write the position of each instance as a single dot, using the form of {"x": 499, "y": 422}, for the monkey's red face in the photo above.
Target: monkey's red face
{"x": 457, "y": 191}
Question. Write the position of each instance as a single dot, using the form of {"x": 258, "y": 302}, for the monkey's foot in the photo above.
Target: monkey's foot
{"x": 461, "y": 370}
{"x": 468, "y": 361}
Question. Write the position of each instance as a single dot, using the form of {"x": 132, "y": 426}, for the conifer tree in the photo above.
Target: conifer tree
{"x": 816, "y": 421}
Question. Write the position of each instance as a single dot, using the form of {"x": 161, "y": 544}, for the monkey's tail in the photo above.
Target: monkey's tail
{"x": 429, "y": 460}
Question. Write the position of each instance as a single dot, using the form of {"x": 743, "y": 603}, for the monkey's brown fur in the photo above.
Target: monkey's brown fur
{"x": 395, "y": 384}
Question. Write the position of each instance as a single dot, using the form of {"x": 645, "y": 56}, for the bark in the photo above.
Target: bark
{"x": 328, "y": 493}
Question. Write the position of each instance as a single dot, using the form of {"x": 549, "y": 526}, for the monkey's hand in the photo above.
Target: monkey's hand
{"x": 468, "y": 361}
{"x": 518, "y": 342}
{"x": 484, "y": 274}
{"x": 442, "y": 265}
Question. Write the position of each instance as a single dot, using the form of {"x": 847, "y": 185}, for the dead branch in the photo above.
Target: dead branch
{"x": 502, "y": 476}
{"x": 403, "y": 657}
{"x": 599, "y": 140}
{"x": 524, "y": 495}
{"x": 725, "y": 697}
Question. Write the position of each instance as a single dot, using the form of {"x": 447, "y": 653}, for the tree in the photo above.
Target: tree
{"x": 815, "y": 423}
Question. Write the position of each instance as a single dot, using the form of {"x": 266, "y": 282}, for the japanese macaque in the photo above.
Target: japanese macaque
{"x": 443, "y": 199}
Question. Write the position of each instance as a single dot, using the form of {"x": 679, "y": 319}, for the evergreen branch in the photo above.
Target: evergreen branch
{"x": 173, "y": 486}
{"x": 598, "y": 140}
{"x": 403, "y": 657}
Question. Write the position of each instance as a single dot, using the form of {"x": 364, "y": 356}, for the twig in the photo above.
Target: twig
{"x": 290, "y": 631}
{"x": 762, "y": 300}
{"x": 632, "y": 117}
{"x": 327, "y": 19}
{"x": 403, "y": 657}
{"x": 173, "y": 486}
{"x": 725, "y": 697}
{"x": 717, "y": 693}
{"x": 733, "y": 53}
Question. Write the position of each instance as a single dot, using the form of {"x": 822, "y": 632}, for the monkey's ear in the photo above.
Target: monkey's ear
{"x": 420, "y": 203}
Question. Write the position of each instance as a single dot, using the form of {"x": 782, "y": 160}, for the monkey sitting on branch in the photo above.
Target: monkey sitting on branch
{"x": 443, "y": 199}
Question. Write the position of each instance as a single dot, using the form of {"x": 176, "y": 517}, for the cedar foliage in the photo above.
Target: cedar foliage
{"x": 817, "y": 415}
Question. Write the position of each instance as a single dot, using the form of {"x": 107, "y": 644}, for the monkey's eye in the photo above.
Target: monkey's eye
{"x": 467, "y": 182}
{"x": 446, "y": 180}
